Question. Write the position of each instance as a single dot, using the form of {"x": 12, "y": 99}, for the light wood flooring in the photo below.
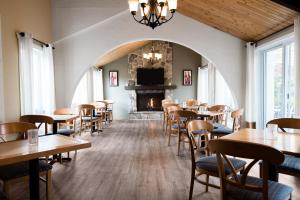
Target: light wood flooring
{"x": 130, "y": 160}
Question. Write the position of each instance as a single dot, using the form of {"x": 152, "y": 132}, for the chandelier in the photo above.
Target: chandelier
{"x": 153, "y": 12}
{"x": 153, "y": 56}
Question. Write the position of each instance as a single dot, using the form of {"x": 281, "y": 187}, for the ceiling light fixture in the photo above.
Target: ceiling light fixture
{"x": 153, "y": 56}
{"x": 153, "y": 12}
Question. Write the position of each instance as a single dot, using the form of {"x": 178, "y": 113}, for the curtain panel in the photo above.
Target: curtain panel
{"x": 297, "y": 65}
{"x": 251, "y": 81}
{"x": 36, "y": 71}
{"x": 1, "y": 80}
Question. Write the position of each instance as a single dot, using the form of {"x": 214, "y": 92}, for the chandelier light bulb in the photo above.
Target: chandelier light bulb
{"x": 133, "y": 6}
{"x": 172, "y": 5}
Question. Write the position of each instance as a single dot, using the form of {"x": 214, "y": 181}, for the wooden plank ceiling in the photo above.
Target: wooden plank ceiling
{"x": 120, "y": 52}
{"x": 250, "y": 20}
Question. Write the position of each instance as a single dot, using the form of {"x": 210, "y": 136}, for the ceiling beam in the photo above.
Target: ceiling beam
{"x": 291, "y": 4}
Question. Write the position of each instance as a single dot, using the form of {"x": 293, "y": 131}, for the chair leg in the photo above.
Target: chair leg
{"x": 170, "y": 131}
{"x": 178, "y": 145}
{"x": 49, "y": 184}
{"x": 6, "y": 189}
{"x": 207, "y": 181}
{"x": 192, "y": 185}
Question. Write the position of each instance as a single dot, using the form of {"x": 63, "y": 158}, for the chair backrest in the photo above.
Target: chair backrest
{"x": 256, "y": 152}
{"x": 237, "y": 119}
{"x": 64, "y": 111}
{"x": 19, "y": 128}
{"x": 191, "y": 102}
{"x": 164, "y": 101}
{"x": 38, "y": 120}
{"x": 203, "y": 128}
{"x": 185, "y": 114}
{"x": 292, "y": 123}
{"x": 220, "y": 108}
{"x": 217, "y": 108}
{"x": 86, "y": 110}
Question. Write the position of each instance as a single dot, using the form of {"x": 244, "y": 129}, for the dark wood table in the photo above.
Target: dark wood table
{"x": 18, "y": 151}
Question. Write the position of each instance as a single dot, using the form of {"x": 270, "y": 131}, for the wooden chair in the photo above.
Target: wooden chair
{"x": 88, "y": 120}
{"x": 244, "y": 186}
{"x": 191, "y": 102}
{"x": 171, "y": 122}
{"x": 221, "y": 130}
{"x": 163, "y": 103}
{"x": 206, "y": 165}
{"x": 221, "y": 119}
{"x": 66, "y": 129}
{"x": 182, "y": 118}
{"x": 103, "y": 110}
{"x": 166, "y": 116}
{"x": 19, "y": 172}
{"x": 39, "y": 120}
{"x": 291, "y": 164}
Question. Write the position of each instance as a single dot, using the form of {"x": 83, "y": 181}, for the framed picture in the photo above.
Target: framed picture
{"x": 113, "y": 78}
{"x": 187, "y": 77}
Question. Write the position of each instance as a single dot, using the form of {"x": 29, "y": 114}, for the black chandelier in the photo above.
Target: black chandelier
{"x": 153, "y": 12}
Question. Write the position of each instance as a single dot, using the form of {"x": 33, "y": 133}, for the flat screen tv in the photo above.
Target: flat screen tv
{"x": 150, "y": 76}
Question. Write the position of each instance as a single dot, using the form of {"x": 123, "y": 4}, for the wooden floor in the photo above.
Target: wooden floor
{"x": 130, "y": 160}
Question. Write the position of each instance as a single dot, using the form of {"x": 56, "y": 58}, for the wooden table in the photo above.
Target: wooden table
{"x": 17, "y": 151}
{"x": 62, "y": 119}
{"x": 288, "y": 143}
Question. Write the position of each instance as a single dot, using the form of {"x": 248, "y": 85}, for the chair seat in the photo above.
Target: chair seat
{"x": 221, "y": 129}
{"x": 66, "y": 132}
{"x": 20, "y": 169}
{"x": 89, "y": 118}
{"x": 290, "y": 164}
{"x": 197, "y": 132}
{"x": 182, "y": 128}
{"x": 277, "y": 191}
{"x": 210, "y": 164}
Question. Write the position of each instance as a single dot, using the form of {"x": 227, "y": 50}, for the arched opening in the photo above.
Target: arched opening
{"x": 127, "y": 58}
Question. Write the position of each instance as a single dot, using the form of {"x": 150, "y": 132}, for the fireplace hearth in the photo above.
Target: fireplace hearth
{"x": 149, "y": 100}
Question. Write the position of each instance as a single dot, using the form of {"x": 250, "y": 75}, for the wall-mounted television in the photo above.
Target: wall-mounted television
{"x": 150, "y": 76}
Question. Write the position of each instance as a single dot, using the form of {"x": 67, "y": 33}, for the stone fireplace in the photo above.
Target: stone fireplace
{"x": 146, "y": 100}
{"x": 149, "y": 100}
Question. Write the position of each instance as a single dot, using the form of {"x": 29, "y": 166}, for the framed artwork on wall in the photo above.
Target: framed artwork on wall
{"x": 113, "y": 78}
{"x": 187, "y": 77}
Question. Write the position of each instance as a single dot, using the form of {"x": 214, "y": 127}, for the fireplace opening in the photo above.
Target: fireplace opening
{"x": 149, "y": 100}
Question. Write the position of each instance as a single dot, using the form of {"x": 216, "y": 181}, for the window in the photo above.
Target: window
{"x": 36, "y": 76}
{"x": 212, "y": 88}
{"x": 89, "y": 89}
{"x": 279, "y": 81}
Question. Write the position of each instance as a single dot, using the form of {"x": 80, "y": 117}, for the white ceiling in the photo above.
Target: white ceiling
{"x": 71, "y": 16}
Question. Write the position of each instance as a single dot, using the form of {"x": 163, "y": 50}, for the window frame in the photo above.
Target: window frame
{"x": 263, "y": 62}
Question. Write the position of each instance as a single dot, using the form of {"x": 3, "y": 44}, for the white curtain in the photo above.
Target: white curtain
{"x": 211, "y": 83}
{"x": 36, "y": 70}
{"x": 25, "y": 69}
{"x": 297, "y": 65}
{"x": 1, "y": 80}
{"x": 251, "y": 80}
{"x": 90, "y": 88}
{"x": 202, "y": 89}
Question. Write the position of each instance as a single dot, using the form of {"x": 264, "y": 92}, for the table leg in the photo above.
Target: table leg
{"x": 54, "y": 127}
{"x": 34, "y": 186}
{"x": 273, "y": 174}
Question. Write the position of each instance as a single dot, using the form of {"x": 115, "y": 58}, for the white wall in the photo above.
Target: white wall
{"x": 77, "y": 52}
{"x": 1, "y": 80}
{"x": 70, "y": 16}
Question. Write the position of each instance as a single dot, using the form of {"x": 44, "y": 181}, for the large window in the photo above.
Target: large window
{"x": 89, "y": 89}
{"x": 279, "y": 81}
